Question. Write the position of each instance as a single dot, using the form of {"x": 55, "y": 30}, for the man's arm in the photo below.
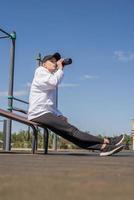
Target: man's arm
{"x": 48, "y": 80}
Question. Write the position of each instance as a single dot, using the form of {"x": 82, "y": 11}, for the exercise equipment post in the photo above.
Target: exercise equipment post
{"x": 4, "y": 121}
{"x": 132, "y": 132}
{"x": 12, "y": 37}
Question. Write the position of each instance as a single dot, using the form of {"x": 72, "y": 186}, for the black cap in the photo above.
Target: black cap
{"x": 56, "y": 55}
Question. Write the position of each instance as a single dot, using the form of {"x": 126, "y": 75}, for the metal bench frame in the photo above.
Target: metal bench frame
{"x": 33, "y": 125}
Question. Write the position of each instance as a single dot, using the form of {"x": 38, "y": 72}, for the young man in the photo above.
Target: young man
{"x": 42, "y": 109}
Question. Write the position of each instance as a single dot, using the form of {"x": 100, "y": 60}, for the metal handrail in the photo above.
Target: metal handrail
{"x": 5, "y": 32}
{"x": 12, "y": 37}
{"x": 2, "y": 37}
{"x": 8, "y": 35}
{"x": 19, "y": 110}
{"x": 20, "y": 100}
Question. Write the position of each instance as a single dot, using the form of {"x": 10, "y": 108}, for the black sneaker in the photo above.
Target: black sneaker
{"x": 111, "y": 149}
{"x": 116, "y": 140}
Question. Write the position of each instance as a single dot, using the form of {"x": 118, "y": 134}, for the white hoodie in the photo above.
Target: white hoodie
{"x": 42, "y": 97}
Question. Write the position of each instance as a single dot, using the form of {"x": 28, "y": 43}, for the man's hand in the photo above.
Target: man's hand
{"x": 59, "y": 63}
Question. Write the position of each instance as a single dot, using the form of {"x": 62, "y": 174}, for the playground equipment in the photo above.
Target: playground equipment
{"x": 11, "y": 98}
{"x": 132, "y": 132}
{"x": 12, "y": 116}
{"x": 4, "y": 122}
{"x": 33, "y": 125}
{"x": 12, "y": 37}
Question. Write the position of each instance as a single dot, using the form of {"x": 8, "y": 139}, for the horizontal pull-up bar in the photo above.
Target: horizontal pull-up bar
{"x": 2, "y": 37}
{"x": 14, "y": 98}
{"x": 18, "y": 110}
{"x": 8, "y": 35}
{"x": 12, "y": 37}
{"x": 5, "y": 32}
{"x": 33, "y": 125}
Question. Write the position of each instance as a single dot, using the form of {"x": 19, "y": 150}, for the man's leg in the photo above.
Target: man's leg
{"x": 61, "y": 127}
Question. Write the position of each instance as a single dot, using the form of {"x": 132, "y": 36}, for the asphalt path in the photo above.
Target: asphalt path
{"x": 79, "y": 175}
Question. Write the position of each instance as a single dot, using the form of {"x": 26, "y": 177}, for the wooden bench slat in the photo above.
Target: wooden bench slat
{"x": 33, "y": 125}
{"x": 18, "y": 118}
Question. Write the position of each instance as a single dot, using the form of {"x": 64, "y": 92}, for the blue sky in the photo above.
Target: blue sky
{"x": 97, "y": 91}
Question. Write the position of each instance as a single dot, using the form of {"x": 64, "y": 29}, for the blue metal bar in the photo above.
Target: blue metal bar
{"x": 20, "y": 100}
{"x": 2, "y": 37}
{"x": 19, "y": 110}
{"x": 10, "y": 87}
{"x": 14, "y": 98}
{"x": 5, "y": 32}
{"x": 39, "y": 59}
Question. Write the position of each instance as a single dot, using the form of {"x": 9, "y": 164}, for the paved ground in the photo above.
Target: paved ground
{"x": 66, "y": 176}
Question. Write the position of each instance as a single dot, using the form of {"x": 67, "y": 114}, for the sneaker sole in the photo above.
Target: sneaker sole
{"x": 120, "y": 141}
{"x": 109, "y": 153}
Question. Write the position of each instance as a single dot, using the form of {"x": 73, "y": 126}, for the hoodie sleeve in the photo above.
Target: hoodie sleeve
{"x": 47, "y": 80}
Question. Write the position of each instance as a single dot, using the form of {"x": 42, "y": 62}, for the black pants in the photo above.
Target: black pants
{"x": 69, "y": 132}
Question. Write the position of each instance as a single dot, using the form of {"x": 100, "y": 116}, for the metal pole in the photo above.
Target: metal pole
{"x": 55, "y": 139}
{"x": 10, "y": 91}
{"x": 39, "y": 59}
{"x": 132, "y": 131}
{"x": 4, "y": 133}
{"x": 3, "y": 37}
{"x": 14, "y": 98}
{"x": 9, "y": 35}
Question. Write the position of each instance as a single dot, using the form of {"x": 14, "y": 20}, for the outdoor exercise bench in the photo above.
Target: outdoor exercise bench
{"x": 33, "y": 125}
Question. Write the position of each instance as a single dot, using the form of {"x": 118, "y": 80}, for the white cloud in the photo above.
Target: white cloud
{"x": 89, "y": 77}
{"x": 70, "y": 85}
{"x": 123, "y": 56}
